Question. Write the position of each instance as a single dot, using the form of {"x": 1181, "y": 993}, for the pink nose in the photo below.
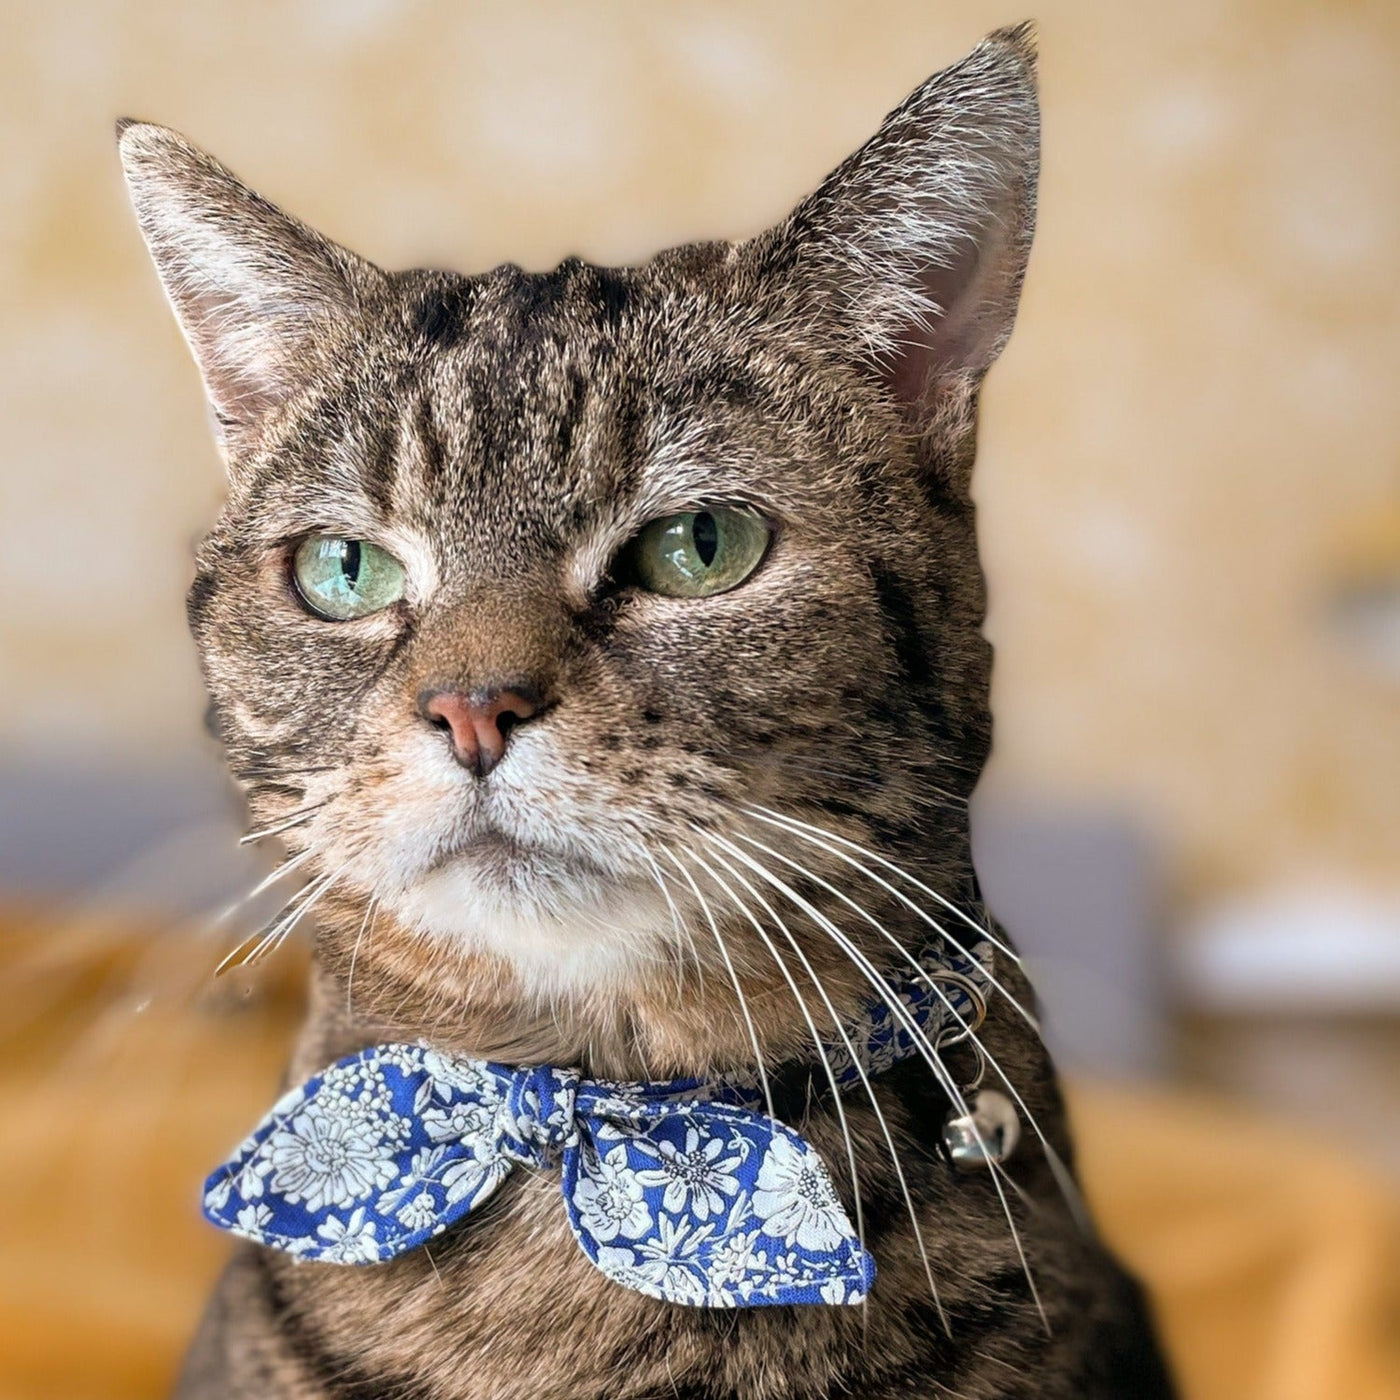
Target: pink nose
{"x": 479, "y": 721}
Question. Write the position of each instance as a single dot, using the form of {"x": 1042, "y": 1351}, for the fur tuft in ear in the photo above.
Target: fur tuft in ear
{"x": 914, "y": 249}
{"x": 255, "y": 292}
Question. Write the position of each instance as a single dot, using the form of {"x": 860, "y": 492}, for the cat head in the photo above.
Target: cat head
{"x": 538, "y": 598}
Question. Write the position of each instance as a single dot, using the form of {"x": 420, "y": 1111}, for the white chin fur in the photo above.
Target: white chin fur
{"x": 585, "y": 934}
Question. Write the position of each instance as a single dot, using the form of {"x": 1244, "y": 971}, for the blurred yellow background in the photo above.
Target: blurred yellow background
{"x": 1189, "y": 476}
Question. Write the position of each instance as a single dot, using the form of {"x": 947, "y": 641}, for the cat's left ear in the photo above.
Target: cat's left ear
{"x": 259, "y": 296}
{"x": 912, "y": 252}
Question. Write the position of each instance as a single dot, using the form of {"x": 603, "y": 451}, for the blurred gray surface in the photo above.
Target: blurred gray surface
{"x": 1078, "y": 890}
{"x": 164, "y": 840}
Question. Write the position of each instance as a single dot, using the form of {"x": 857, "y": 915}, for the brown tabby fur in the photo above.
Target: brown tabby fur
{"x": 505, "y": 435}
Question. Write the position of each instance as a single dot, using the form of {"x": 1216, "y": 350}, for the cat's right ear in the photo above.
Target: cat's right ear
{"x": 256, "y": 293}
{"x": 912, "y": 252}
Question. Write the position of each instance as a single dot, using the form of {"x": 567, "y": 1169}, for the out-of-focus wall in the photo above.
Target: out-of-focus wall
{"x": 1194, "y": 427}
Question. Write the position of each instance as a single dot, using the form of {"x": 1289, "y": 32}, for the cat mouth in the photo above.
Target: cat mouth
{"x": 490, "y": 847}
{"x": 502, "y": 858}
{"x": 487, "y": 846}
{"x": 557, "y": 914}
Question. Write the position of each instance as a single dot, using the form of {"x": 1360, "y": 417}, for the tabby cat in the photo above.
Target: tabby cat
{"x": 604, "y": 645}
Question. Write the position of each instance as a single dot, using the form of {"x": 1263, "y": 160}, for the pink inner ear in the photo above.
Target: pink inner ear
{"x": 907, "y": 373}
{"x": 254, "y": 290}
{"x": 235, "y": 362}
{"x": 975, "y": 296}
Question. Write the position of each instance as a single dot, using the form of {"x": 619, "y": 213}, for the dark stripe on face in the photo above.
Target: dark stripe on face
{"x": 381, "y": 466}
{"x": 889, "y": 835}
{"x": 629, "y": 427}
{"x": 280, "y": 789}
{"x": 570, "y": 415}
{"x": 598, "y": 620}
{"x": 406, "y": 635}
{"x": 902, "y": 624}
{"x": 612, "y": 295}
{"x": 430, "y": 444}
{"x": 677, "y": 393}
{"x": 441, "y": 317}
{"x": 197, "y": 599}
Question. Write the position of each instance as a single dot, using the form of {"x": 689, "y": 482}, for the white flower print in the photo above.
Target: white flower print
{"x": 420, "y": 1170}
{"x": 216, "y": 1197}
{"x": 610, "y": 1198}
{"x": 419, "y": 1212}
{"x": 667, "y": 1260}
{"x": 786, "y": 1269}
{"x": 326, "y": 1159}
{"x": 351, "y": 1241}
{"x": 697, "y": 1177}
{"x": 252, "y": 1220}
{"x": 407, "y": 1059}
{"x": 358, "y": 1092}
{"x": 734, "y": 1259}
{"x": 863, "y": 1033}
{"x": 877, "y": 1043}
{"x": 250, "y": 1178}
{"x": 471, "y": 1123}
{"x": 390, "y": 1126}
{"x": 424, "y": 1164}
{"x": 795, "y": 1200}
{"x": 451, "y": 1077}
{"x": 606, "y": 1134}
{"x": 620, "y": 1265}
{"x": 471, "y": 1179}
{"x": 243, "y": 1173}
{"x": 704, "y": 1205}
{"x": 357, "y": 1080}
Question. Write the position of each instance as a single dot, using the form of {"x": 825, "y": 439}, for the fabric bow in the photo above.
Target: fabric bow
{"x": 684, "y": 1191}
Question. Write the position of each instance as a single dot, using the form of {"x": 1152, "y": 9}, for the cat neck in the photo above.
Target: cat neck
{"x": 689, "y": 1016}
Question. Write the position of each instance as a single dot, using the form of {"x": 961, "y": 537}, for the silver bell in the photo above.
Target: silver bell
{"x": 989, "y": 1132}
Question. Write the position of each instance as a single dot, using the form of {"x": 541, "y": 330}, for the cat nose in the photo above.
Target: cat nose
{"x": 480, "y": 721}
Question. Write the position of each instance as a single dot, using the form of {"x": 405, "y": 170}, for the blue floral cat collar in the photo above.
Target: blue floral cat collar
{"x": 685, "y": 1191}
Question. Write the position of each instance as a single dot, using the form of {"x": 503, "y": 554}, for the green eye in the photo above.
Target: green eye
{"x": 344, "y": 579}
{"x": 698, "y": 552}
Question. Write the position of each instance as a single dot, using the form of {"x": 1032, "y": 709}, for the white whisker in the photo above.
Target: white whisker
{"x": 801, "y": 1005}
{"x": 682, "y": 930}
{"x": 769, "y": 815}
{"x": 770, "y": 759}
{"x": 371, "y": 913}
{"x": 286, "y": 824}
{"x": 930, "y": 1055}
{"x": 804, "y": 832}
{"x": 854, "y": 1055}
{"x": 292, "y": 863}
{"x": 1068, "y": 1189}
{"x": 242, "y": 956}
{"x": 733, "y": 978}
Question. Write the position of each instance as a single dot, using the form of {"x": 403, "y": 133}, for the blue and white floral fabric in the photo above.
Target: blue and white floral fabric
{"x": 684, "y": 1191}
